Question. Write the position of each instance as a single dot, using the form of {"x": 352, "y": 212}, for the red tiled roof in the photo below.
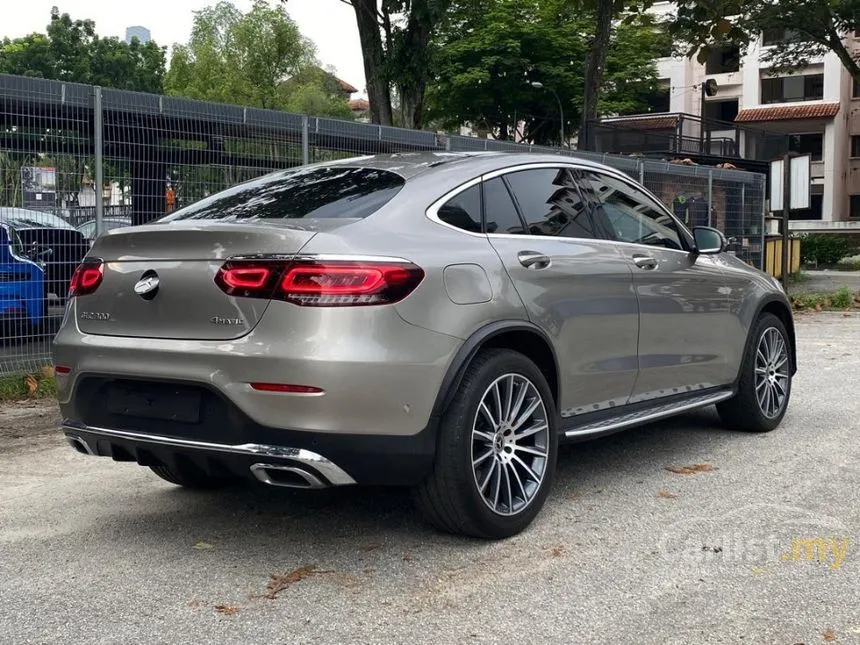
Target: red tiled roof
{"x": 346, "y": 87}
{"x": 817, "y": 110}
{"x": 646, "y": 122}
{"x": 359, "y": 105}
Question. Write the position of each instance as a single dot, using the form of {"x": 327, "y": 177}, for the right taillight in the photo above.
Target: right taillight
{"x": 321, "y": 283}
{"x": 86, "y": 278}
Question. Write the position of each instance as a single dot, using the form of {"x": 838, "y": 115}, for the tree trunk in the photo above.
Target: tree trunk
{"x": 378, "y": 91}
{"x": 596, "y": 65}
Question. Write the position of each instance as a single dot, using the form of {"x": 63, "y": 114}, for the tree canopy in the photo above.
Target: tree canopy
{"x": 486, "y": 55}
{"x": 810, "y": 27}
{"x": 71, "y": 50}
{"x": 258, "y": 58}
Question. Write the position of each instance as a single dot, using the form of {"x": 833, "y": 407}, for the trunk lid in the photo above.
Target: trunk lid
{"x": 185, "y": 257}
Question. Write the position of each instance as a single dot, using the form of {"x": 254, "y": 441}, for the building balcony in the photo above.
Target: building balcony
{"x": 673, "y": 135}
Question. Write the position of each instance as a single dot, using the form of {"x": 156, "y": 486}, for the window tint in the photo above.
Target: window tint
{"x": 551, "y": 203}
{"x": 332, "y": 192}
{"x": 499, "y": 210}
{"x": 630, "y": 214}
{"x": 463, "y": 210}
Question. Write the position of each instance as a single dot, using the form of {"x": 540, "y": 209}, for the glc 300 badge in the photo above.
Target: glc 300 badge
{"x": 94, "y": 315}
{"x": 219, "y": 320}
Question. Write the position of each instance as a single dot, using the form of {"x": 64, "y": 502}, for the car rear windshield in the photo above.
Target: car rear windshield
{"x": 328, "y": 192}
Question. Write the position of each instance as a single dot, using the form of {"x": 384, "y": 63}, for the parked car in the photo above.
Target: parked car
{"x": 22, "y": 302}
{"x": 435, "y": 320}
{"x": 53, "y": 240}
{"x": 88, "y": 228}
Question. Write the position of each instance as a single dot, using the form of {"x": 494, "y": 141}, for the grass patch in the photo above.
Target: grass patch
{"x": 842, "y": 298}
{"x": 20, "y": 387}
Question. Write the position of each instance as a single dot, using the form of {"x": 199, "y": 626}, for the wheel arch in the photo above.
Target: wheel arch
{"x": 780, "y": 308}
{"x": 519, "y": 335}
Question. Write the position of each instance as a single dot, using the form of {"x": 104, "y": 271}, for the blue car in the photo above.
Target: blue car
{"x": 22, "y": 286}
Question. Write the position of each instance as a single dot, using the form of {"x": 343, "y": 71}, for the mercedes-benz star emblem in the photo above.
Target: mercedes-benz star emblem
{"x": 147, "y": 286}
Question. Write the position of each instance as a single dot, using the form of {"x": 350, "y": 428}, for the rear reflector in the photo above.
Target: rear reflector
{"x": 285, "y": 387}
{"x": 86, "y": 278}
{"x": 62, "y": 369}
{"x": 318, "y": 283}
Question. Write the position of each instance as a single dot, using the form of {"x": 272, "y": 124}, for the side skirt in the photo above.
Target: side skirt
{"x": 588, "y": 426}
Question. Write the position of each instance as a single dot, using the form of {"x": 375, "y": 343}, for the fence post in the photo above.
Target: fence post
{"x": 98, "y": 150}
{"x": 306, "y": 148}
{"x": 711, "y": 195}
{"x": 641, "y": 171}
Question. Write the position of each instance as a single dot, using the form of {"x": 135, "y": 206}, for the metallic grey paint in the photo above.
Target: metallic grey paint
{"x": 620, "y": 332}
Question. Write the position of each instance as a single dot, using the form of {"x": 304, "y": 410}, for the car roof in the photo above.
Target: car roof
{"x": 411, "y": 164}
{"x": 14, "y": 216}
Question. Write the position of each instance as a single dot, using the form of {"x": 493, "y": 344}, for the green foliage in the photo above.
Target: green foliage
{"x": 842, "y": 298}
{"x": 71, "y": 50}
{"x": 258, "y": 58}
{"x": 822, "y": 249}
{"x": 485, "y": 55}
{"x": 814, "y": 27}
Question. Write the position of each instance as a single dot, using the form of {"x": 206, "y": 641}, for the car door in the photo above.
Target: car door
{"x": 683, "y": 301}
{"x": 573, "y": 283}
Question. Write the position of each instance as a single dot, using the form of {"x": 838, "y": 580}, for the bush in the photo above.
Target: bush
{"x": 824, "y": 249}
{"x": 849, "y": 263}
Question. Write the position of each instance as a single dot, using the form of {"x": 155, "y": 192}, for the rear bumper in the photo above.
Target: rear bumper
{"x": 301, "y": 460}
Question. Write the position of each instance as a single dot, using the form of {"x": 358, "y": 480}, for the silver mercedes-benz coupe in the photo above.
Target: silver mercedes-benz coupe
{"x": 434, "y": 320}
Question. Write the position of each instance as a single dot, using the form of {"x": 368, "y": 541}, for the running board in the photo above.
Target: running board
{"x": 647, "y": 415}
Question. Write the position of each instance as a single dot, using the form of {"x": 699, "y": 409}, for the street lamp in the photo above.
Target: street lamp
{"x": 538, "y": 85}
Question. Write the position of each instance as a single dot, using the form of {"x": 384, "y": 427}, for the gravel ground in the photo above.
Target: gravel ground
{"x": 625, "y": 551}
{"x": 818, "y": 281}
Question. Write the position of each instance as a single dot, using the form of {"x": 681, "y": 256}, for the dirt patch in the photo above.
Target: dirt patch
{"x": 22, "y": 422}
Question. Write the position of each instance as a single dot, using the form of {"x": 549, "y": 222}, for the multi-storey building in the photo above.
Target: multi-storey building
{"x": 815, "y": 111}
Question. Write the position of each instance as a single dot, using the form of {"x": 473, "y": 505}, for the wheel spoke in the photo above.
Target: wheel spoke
{"x": 482, "y": 458}
{"x": 780, "y": 362}
{"x": 520, "y": 483}
{"x": 761, "y": 383}
{"x": 525, "y": 415}
{"x": 508, "y": 487}
{"x": 497, "y": 399}
{"x": 489, "y": 416}
{"x": 528, "y": 469}
{"x": 498, "y": 487}
{"x": 509, "y": 395}
{"x": 486, "y": 436}
{"x": 530, "y": 450}
{"x": 539, "y": 427}
{"x": 489, "y": 476}
{"x": 518, "y": 403}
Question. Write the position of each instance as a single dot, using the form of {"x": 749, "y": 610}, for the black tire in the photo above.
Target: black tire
{"x": 190, "y": 477}
{"x": 743, "y": 411}
{"x": 449, "y": 497}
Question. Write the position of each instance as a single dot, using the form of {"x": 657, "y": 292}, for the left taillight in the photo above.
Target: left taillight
{"x": 86, "y": 278}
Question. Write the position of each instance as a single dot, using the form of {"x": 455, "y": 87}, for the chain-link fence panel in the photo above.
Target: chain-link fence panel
{"x": 77, "y": 160}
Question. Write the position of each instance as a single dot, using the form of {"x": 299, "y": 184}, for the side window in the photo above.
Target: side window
{"x": 463, "y": 210}
{"x": 499, "y": 210}
{"x": 629, "y": 214}
{"x": 551, "y": 203}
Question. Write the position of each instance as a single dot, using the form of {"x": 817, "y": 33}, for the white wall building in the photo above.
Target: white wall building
{"x": 813, "y": 106}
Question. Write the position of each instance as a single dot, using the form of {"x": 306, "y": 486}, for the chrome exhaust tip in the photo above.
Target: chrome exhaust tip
{"x": 79, "y": 445}
{"x": 286, "y": 476}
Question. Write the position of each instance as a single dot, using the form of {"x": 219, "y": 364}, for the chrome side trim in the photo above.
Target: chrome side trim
{"x": 262, "y": 473}
{"x": 647, "y": 416}
{"x": 328, "y": 469}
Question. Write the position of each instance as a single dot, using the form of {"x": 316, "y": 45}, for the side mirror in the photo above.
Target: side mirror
{"x": 709, "y": 241}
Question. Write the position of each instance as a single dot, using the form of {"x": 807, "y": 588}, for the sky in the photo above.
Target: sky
{"x": 329, "y": 23}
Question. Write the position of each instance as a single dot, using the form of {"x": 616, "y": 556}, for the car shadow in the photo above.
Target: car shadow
{"x": 260, "y": 519}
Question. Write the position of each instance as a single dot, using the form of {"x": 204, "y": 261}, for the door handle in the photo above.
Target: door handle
{"x": 645, "y": 262}
{"x": 533, "y": 260}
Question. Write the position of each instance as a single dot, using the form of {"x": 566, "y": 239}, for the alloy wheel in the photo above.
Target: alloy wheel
{"x": 510, "y": 444}
{"x": 771, "y": 372}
